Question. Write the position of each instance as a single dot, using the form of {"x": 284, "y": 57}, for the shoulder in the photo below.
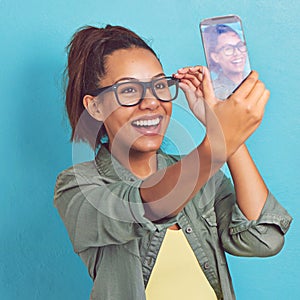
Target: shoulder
{"x": 78, "y": 175}
{"x": 84, "y": 169}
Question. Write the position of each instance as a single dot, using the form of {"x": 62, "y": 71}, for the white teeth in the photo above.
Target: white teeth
{"x": 144, "y": 123}
{"x": 237, "y": 61}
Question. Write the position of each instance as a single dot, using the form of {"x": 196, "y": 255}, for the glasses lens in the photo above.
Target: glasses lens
{"x": 228, "y": 50}
{"x": 129, "y": 93}
{"x": 166, "y": 89}
{"x": 242, "y": 47}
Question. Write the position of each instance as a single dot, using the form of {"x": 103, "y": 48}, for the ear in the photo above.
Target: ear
{"x": 215, "y": 57}
{"x": 92, "y": 107}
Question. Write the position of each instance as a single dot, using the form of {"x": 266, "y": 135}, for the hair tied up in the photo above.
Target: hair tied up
{"x": 87, "y": 54}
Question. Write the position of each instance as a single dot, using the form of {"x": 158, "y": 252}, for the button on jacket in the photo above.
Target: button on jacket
{"x": 100, "y": 205}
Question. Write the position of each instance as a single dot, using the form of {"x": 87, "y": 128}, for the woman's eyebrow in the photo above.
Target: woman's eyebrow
{"x": 125, "y": 78}
{"x": 159, "y": 75}
{"x": 133, "y": 78}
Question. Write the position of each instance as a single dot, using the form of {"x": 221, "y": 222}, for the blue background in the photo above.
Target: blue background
{"x": 36, "y": 257}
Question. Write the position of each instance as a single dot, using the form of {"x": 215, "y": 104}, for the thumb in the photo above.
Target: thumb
{"x": 207, "y": 87}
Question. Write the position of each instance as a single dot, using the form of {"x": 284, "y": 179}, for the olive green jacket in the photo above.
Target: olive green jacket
{"x": 100, "y": 205}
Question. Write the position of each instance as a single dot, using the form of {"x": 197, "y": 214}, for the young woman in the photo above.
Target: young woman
{"x": 227, "y": 58}
{"x": 145, "y": 222}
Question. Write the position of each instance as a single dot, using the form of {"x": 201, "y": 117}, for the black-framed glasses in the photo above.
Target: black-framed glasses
{"x": 228, "y": 50}
{"x": 132, "y": 92}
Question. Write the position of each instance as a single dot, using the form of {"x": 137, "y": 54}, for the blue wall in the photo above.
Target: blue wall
{"x": 36, "y": 258}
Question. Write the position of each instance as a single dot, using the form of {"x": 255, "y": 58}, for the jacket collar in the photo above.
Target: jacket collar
{"x": 108, "y": 166}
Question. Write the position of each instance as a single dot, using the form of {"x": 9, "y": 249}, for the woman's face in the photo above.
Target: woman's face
{"x": 230, "y": 64}
{"x": 140, "y": 127}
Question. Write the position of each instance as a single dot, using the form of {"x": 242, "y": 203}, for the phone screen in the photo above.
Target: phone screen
{"x": 226, "y": 53}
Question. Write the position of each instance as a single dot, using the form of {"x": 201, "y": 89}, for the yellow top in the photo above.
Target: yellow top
{"x": 176, "y": 274}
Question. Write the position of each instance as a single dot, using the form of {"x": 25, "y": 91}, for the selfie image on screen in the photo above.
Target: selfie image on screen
{"x": 226, "y": 55}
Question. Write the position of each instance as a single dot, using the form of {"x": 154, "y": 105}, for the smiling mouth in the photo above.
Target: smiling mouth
{"x": 237, "y": 61}
{"x": 147, "y": 123}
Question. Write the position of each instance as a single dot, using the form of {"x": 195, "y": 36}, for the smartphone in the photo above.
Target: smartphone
{"x": 226, "y": 53}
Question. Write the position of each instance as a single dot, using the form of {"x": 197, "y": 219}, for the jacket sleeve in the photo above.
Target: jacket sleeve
{"x": 239, "y": 236}
{"x": 98, "y": 213}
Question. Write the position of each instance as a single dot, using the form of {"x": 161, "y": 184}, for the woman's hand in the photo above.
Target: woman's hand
{"x": 229, "y": 123}
{"x": 191, "y": 83}
{"x": 236, "y": 118}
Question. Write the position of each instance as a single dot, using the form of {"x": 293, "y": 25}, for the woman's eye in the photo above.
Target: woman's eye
{"x": 160, "y": 85}
{"x": 128, "y": 90}
{"x": 228, "y": 49}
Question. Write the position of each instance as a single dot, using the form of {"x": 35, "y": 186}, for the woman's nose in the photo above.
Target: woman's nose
{"x": 149, "y": 101}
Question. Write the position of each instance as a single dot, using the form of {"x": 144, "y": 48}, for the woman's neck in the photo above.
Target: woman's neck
{"x": 141, "y": 164}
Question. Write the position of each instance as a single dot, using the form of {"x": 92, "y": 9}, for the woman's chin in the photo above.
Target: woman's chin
{"x": 146, "y": 144}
